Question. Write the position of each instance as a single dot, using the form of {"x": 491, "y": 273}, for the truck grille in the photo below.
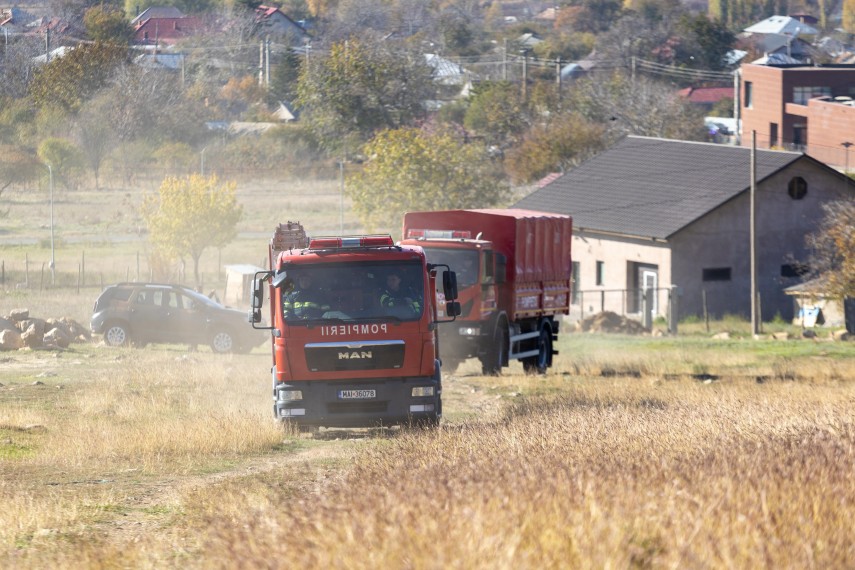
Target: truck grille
{"x": 342, "y": 356}
{"x": 357, "y": 407}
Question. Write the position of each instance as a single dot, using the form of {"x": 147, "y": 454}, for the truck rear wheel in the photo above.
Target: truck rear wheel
{"x": 540, "y": 363}
{"x": 494, "y": 359}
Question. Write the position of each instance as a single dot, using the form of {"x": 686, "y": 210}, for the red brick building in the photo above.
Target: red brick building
{"x": 800, "y": 107}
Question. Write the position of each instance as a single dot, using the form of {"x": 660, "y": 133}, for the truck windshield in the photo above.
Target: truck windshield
{"x": 353, "y": 292}
{"x": 464, "y": 262}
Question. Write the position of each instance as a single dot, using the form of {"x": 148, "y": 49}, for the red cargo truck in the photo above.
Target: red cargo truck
{"x": 514, "y": 276}
{"x": 347, "y": 351}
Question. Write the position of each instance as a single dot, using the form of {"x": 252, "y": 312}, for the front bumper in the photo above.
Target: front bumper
{"x": 322, "y": 403}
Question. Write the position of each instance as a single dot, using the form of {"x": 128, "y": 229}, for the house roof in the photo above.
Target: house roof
{"x": 781, "y": 25}
{"x": 54, "y": 54}
{"x": 445, "y": 71}
{"x": 166, "y": 30}
{"x": 157, "y": 12}
{"x": 160, "y": 60}
{"x": 264, "y": 13}
{"x": 651, "y": 187}
{"x": 706, "y": 95}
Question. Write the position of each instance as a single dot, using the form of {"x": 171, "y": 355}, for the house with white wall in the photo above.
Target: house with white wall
{"x": 674, "y": 216}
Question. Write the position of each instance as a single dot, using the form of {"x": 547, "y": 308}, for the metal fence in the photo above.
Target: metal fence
{"x": 643, "y": 305}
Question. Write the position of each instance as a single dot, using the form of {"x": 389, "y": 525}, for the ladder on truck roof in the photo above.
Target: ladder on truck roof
{"x": 290, "y": 235}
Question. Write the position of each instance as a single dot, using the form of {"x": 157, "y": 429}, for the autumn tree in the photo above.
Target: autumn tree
{"x": 63, "y": 157}
{"x": 596, "y": 15}
{"x": 19, "y": 65}
{"x": 69, "y": 81}
{"x": 105, "y": 23}
{"x": 849, "y": 16}
{"x": 706, "y": 42}
{"x": 16, "y": 167}
{"x": 555, "y": 147}
{"x": 496, "y": 111}
{"x": 638, "y": 106}
{"x": 190, "y": 214}
{"x": 410, "y": 169}
{"x": 359, "y": 89}
{"x": 833, "y": 249}
{"x": 95, "y": 139}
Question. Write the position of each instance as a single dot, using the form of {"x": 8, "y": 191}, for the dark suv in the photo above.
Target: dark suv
{"x": 140, "y": 313}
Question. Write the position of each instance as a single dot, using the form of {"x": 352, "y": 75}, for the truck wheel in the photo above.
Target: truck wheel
{"x": 538, "y": 364}
{"x": 491, "y": 363}
{"x": 223, "y": 342}
{"x": 117, "y": 334}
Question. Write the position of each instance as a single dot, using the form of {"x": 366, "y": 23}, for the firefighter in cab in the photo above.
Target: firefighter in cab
{"x": 397, "y": 296}
{"x": 305, "y": 301}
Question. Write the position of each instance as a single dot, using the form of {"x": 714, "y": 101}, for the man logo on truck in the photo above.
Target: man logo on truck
{"x": 354, "y": 355}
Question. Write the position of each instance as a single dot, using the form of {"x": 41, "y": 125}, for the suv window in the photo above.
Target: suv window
{"x": 119, "y": 294}
{"x": 145, "y": 297}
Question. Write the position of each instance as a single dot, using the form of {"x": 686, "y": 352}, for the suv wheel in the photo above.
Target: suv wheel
{"x": 223, "y": 342}
{"x": 116, "y": 334}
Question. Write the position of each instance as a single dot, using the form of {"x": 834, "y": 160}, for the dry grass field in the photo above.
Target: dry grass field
{"x": 632, "y": 452}
{"x": 619, "y": 457}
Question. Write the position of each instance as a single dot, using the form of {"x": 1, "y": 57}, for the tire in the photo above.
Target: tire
{"x": 223, "y": 341}
{"x": 540, "y": 363}
{"x": 494, "y": 359}
{"x": 117, "y": 334}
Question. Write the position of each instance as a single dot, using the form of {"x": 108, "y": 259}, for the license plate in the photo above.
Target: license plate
{"x": 356, "y": 394}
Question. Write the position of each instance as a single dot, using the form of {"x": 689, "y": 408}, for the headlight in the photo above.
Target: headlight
{"x": 290, "y": 395}
{"x": 469, "y": 331}
{"x": 423, "y": 391}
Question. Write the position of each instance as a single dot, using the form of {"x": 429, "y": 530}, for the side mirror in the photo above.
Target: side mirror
{"x": 257, "y": 297}
{"x": 452, "y": 308}
{"x": 449, "y": 285}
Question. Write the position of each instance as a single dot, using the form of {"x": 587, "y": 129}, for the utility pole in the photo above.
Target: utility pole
{"x": 261, "y": 63}
{"x": 525, "y": 77}
{"x": 505, "y": 61}
{"x": 52, "y": 258}
{"x": 755, "y": 324}
{"x": 267, "y": 62}
{"x": 738, "y": 129}
{"x": 341, "y": 198}
{"x": 47, "y": 45}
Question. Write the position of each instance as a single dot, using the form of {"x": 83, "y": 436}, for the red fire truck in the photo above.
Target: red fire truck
{"x": 347, "y": 350}
{"x": 514, "y": 275}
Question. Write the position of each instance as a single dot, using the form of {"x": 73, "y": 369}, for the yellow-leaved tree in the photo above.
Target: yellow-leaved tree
{"x": 411, "y": 169}
{"x": 190, "y": 214}
{"x": 833, "y": 246}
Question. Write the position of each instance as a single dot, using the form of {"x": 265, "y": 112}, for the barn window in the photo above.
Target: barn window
{"x": 716, "y": 274}
{"x": 797, "y": 188}
{"x": 601, "y": 272}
